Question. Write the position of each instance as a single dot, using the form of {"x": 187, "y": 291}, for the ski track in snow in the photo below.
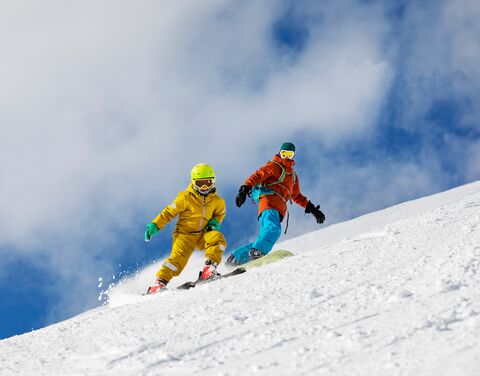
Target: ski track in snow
{"x": 396, "y": 292}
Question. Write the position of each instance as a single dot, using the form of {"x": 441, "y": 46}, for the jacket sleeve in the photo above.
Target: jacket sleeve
{"x": 297, "y": 196}
{"x": 171, "y": 211}
{"x": 220, "y": 211}
{"x": 266, "y": 171}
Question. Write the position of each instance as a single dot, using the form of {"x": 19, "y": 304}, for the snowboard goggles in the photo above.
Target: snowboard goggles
{"x": 204, "y": 184}
{"x": 287, "y": 154}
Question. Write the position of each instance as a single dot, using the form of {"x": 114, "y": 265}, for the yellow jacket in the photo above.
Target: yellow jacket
{"x": 194, "y": 211}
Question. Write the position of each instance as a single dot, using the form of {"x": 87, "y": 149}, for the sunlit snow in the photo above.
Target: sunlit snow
{"x": 396, "y": 292}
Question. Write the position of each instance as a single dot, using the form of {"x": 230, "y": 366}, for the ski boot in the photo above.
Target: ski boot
{"x": 209, "y": 271}
{"x": 231, "y": 261}
{"x": 255, "y": 254}
{"x": 159, "y": 285}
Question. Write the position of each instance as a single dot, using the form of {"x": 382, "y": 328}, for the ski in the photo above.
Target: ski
{"x": 271, "y": 257}
{"x": 191, "y": 284}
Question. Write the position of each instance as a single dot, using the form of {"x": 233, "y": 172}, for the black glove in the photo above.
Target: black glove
{"x": 315, "y": 211}
{"x": 242, "y": 194}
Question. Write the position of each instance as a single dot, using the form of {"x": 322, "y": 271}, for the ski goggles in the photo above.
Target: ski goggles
{"x": 287, "y": 154}
{"x": 204, "y": 184}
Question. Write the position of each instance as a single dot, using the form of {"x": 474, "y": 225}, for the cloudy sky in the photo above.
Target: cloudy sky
{"x": 106, "y": 105}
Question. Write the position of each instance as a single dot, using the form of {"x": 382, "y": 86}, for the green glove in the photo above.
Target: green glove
{"x": 212, "y": 225}
{"x": 151, "y": 230}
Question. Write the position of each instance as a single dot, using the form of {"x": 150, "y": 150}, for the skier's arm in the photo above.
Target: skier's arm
{"x": 170, "y": 212}
{"x": 220, "y": 212}
{"x": 217, "y": 218}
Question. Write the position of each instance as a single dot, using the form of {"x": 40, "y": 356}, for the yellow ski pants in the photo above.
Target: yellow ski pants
{"x": 213, "y": 242}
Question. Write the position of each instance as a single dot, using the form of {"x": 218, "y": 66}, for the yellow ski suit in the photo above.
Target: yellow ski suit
{"x": 194, "y": 211}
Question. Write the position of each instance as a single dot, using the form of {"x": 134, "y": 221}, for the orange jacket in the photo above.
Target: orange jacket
{"x": 288, "y": 190}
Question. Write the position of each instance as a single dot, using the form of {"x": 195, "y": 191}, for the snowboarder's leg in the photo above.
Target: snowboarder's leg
{"x": 270, "y": 231}
{"x": 182, "y": 248}
{"x": 241, "y": 253}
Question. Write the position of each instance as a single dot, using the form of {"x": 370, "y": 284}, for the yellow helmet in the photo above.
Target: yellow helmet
{"x": 203, "y": 178}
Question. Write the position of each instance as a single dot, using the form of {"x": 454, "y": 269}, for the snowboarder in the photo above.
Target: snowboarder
{"x": 272, "y": 187}
{"x": 201, "y": 211}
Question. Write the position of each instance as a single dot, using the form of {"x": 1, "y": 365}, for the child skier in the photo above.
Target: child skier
{"x": 200, "y": 211}
{"x": 272, "y": 186}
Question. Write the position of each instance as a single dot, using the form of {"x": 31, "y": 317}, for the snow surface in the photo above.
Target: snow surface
{"x": 396, "y": 292}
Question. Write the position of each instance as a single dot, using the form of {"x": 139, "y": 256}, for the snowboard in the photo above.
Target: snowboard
{"x": 273, "y": 256}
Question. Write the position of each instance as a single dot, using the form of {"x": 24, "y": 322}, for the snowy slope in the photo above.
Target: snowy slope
{"x": 396, "y": 292}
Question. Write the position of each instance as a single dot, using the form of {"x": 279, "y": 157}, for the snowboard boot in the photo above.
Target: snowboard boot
{"x": 255, "y": 254}
{"x": 159, "y": 285}
{"x": 231, "y": 261}
{"x": 209, "y": 271}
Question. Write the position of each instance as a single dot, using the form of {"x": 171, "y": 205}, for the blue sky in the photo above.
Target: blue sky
{"x": 101, "y": 122}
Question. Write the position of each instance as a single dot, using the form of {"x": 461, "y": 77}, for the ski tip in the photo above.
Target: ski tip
{"x": 186, "y": 286}
{"x": 239, "y": 270}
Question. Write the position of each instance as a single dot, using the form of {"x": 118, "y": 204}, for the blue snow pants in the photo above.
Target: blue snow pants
{"x": 270, "y": 231}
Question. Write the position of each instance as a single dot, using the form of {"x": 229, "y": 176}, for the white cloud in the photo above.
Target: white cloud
{"x": 440, "y": 54}
{"x": 101, "y": 104}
